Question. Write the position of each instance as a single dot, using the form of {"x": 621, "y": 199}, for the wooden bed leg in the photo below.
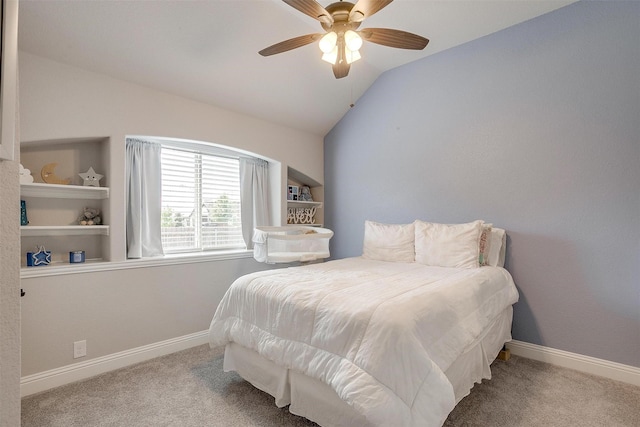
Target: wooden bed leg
{"x": 505, "y": 354}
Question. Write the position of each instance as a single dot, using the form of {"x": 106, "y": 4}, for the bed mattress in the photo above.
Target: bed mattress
{"x": 380, "y": 335}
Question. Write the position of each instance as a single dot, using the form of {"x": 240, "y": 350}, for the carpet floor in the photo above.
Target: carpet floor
{"x": 189, "y": 388}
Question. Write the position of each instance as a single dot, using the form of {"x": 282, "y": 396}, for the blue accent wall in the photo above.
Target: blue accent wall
{"x": 536, "y": 129}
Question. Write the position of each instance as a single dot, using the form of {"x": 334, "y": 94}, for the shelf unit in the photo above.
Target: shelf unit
{"x": 299, "y": 179}
{"x": 56, "y": 191}
{"x": 53, "y": 209}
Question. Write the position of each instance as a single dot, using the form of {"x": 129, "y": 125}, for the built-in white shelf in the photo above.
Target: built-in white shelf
{"x": 56, "y": 268}
{"x": 64, "y": 230}
{"x": 53, "y": 209}
{"x": 302, "y": 204}
{"x": 57, "y": 191}
{"x": 313, "y": 208}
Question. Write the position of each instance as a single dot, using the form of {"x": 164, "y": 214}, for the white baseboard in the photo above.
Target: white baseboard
{"x": 578, "y": 362}
{"x": 79, "y": 371}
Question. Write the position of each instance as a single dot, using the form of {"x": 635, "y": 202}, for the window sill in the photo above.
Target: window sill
{"x": 97, "y": 266}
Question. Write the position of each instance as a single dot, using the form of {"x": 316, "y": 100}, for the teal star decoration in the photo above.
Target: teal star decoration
{"x": 91, "y": 178}
{"x": 42, "y": 257}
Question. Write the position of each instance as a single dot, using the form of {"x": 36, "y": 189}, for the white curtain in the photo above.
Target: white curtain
{"x": 144, "y": 195}
{"x": 254, "y": 196}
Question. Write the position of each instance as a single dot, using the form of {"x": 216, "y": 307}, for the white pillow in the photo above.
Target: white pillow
{"x": 497, "y": 247}
{"x": 388, "y": 242}
{"x": 448, "y": 245}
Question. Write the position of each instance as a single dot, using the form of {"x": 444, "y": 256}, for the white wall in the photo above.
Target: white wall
{"x": 9, "y": 238}
{"x": 123, "y": 309}
{"x": 59, "y": 101}
{"x": 9, "y": 294}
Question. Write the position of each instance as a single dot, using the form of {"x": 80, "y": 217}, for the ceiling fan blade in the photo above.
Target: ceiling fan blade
{"x": 365, "y": 8}
{"x": 394, "y": 38}
{"x": 311, "y": 8}
{"x": 290, "y": 44}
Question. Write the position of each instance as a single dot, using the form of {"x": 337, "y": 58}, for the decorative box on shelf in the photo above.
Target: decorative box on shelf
{"x": 40, "y": 257}
{"x": 290, "y": 244}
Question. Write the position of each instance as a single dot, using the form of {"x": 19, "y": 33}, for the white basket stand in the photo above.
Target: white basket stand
{"x": 291, "y": 244}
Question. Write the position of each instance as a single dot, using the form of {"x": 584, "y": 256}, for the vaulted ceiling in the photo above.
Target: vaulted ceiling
{"x": 208, "y": 50}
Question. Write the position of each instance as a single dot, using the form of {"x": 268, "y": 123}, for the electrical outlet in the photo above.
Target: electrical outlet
{"x": 79, "y": 349}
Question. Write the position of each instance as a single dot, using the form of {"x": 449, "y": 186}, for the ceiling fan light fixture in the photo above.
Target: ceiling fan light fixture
{"x": 352, "y": 40}
{"x": 332, "y": 56}
{"x": 351, "y": 55}
{"x": 328, "y": 42}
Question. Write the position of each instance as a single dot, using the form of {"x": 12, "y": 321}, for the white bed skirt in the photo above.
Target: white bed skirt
{"x": 312, "y": 399}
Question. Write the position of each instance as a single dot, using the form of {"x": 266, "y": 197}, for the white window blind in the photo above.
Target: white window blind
{"x": 200, "y": 201}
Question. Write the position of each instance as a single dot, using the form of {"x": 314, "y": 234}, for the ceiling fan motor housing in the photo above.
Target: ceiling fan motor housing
{"x": 339, "y": 11}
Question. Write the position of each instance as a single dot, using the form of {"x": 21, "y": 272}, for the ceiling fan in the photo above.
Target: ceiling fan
{"x": 341, "y": 42}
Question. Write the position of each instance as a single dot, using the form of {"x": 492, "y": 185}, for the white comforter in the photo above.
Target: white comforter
{"x": 380, "y": 334}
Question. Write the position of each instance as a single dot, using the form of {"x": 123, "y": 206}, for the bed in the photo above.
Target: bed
{"x": 386, "y": 338}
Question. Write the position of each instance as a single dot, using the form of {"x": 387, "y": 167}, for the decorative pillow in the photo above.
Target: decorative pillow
{"x": 389, "y": 242}
{"x": 497, "y": 247}
{"x": 448, "y": 245}
{"x": 485, "y": 245}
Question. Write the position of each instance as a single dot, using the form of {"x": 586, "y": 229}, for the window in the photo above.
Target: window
{"x": 200, "y": 199}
